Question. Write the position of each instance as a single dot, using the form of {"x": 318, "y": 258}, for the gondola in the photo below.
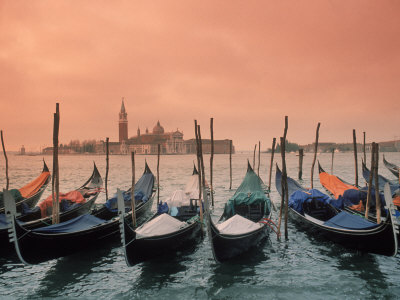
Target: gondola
{"x": 392, "y": 167}
{"x": 54, "y": 241}
{"x": 30, "y": 194}
{"x": 142, "y": 191}
{"x": 394, "y": 184}
{"x": 175, "y": 226}
{"x": 32, "y": 219}
{"x": 312, "y": 210}
{"x": 245, "y": 221}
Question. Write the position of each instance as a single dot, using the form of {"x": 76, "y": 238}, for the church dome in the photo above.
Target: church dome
{"x": 158, "y": 129}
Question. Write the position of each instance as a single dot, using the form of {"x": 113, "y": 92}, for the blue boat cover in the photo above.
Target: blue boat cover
{"x": 299, "y": 197}
{"x": 77, "y": 224}
{"x": 345, "y": 220}
{"x": 3, "y": 221}
{"x": 143, "y": 191}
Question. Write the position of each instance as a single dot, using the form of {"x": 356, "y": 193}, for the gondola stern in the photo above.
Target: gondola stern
{"x": 320, "y": 169}
{"x": 11, "y": 214}
{"x": 45, "y": 167}
{"x": 195, "y": 172}
{"x": 146, "y": 167}
{"x": 391, "y": 208}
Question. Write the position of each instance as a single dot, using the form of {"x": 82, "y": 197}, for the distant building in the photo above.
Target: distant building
{"x": 22, "y": 151}
{"x": 170, "y": 142}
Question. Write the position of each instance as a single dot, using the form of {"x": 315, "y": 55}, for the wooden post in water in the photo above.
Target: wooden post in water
{"x": 198, "y": 167}
{"x": 284, "y": 193}
{"x": 133, "y": 202}
{"x": 355, "y": 156}
{"x": 201, "y": 171}
{"x": 371, "y": 174}
{"x": 365, "y": 155}
{"x": 376, "y": 178}
{"x": 271, "y": 164}
{"x": 5, "y": 157}
{"x": 107, "y": 166}
{"x": 212, "y": 160}
{"x": 259, "y": 157}
{"x": 230, "y": 164}
{"x": 301, "y": 154}
{"x": 315, "y": 155}
{"x": 254, "y": 156}
{"x": 158, "y": 174}
{"x": 333, "y": 154}
{"x": 55, "y": 178}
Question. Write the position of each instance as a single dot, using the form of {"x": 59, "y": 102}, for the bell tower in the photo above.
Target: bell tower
{"x": 123, "y": 123}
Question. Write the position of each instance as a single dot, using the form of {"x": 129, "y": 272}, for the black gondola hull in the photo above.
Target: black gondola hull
{"x": 34, "y": 248}
{"x": 379, "y": 240}
{"x": 142, "y": 249}
{"x": 228, "y": 246}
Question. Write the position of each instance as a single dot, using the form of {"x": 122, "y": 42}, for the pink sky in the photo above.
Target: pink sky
{"x": 245, "y": 63}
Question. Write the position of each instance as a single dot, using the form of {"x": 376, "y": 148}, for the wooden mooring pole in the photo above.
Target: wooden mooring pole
{"x": 333, "y": 154}
{"x": 271, "y": 164}
{"x": 355, "y": 157}
{"x": 5, "y": 157}
{"x": 259, "y": 158}
{"x": 365, "y": 155}
{"x": 198, "y": 167}
{"x": 371, "y": 174}
{"x": 133, "y": 202}
{"x": 230, "y": 164}
{"x": 376, "y": 179}
{"x": 284, "y": 188}
{"x": 254, "y": 157}
{"x": 158, "y": 174}
{"x": 301, "y": 155}
{"x": 55, "y": 178}
{"x": 107, "y": 166}
{"x": 212, "y": 160}
{"x": 315, "y": 155}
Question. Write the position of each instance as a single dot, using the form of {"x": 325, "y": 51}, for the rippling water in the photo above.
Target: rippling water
{"x": 302, "y": 267}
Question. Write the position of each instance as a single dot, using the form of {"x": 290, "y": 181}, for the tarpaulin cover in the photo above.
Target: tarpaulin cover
{"x": 3, "y": 221}
{"x": 345, "y": 220}
{"x": 249, "y": 192}
{"x": 298, "y": 198}
{"x": 333, "y": 184}
{"x": 73, "y": 196}
{"x": 143, "y": 191}
{"x": 80, "y": 223}
{"x": 353, "y": 197}
{"x": 394, "y": 184}
{"x": 237, "y": 225}
{"x": 14, "y": 193}
{"x": 160, "y": 225}
{"x": 33, "y": 187}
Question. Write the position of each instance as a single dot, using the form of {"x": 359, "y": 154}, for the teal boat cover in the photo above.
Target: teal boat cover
{"x": 249, "y": 192}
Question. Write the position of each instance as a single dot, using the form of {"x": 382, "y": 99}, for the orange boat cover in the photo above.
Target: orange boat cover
{"x": 74, "y": 196}
{"x": 396, "y": 200}
{"x": 33, "y": 187}
{"x": 334, "y": 184}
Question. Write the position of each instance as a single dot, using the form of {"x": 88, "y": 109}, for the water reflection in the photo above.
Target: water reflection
{"x": 163, "y": 270}
{"x": 71, "y": 270}
{"x": 238, "y": 270}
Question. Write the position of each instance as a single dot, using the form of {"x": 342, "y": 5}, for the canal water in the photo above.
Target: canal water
{"x": 304, "y": 267}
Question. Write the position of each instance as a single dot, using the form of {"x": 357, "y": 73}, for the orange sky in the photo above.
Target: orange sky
{"x": 245, "y": 63}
